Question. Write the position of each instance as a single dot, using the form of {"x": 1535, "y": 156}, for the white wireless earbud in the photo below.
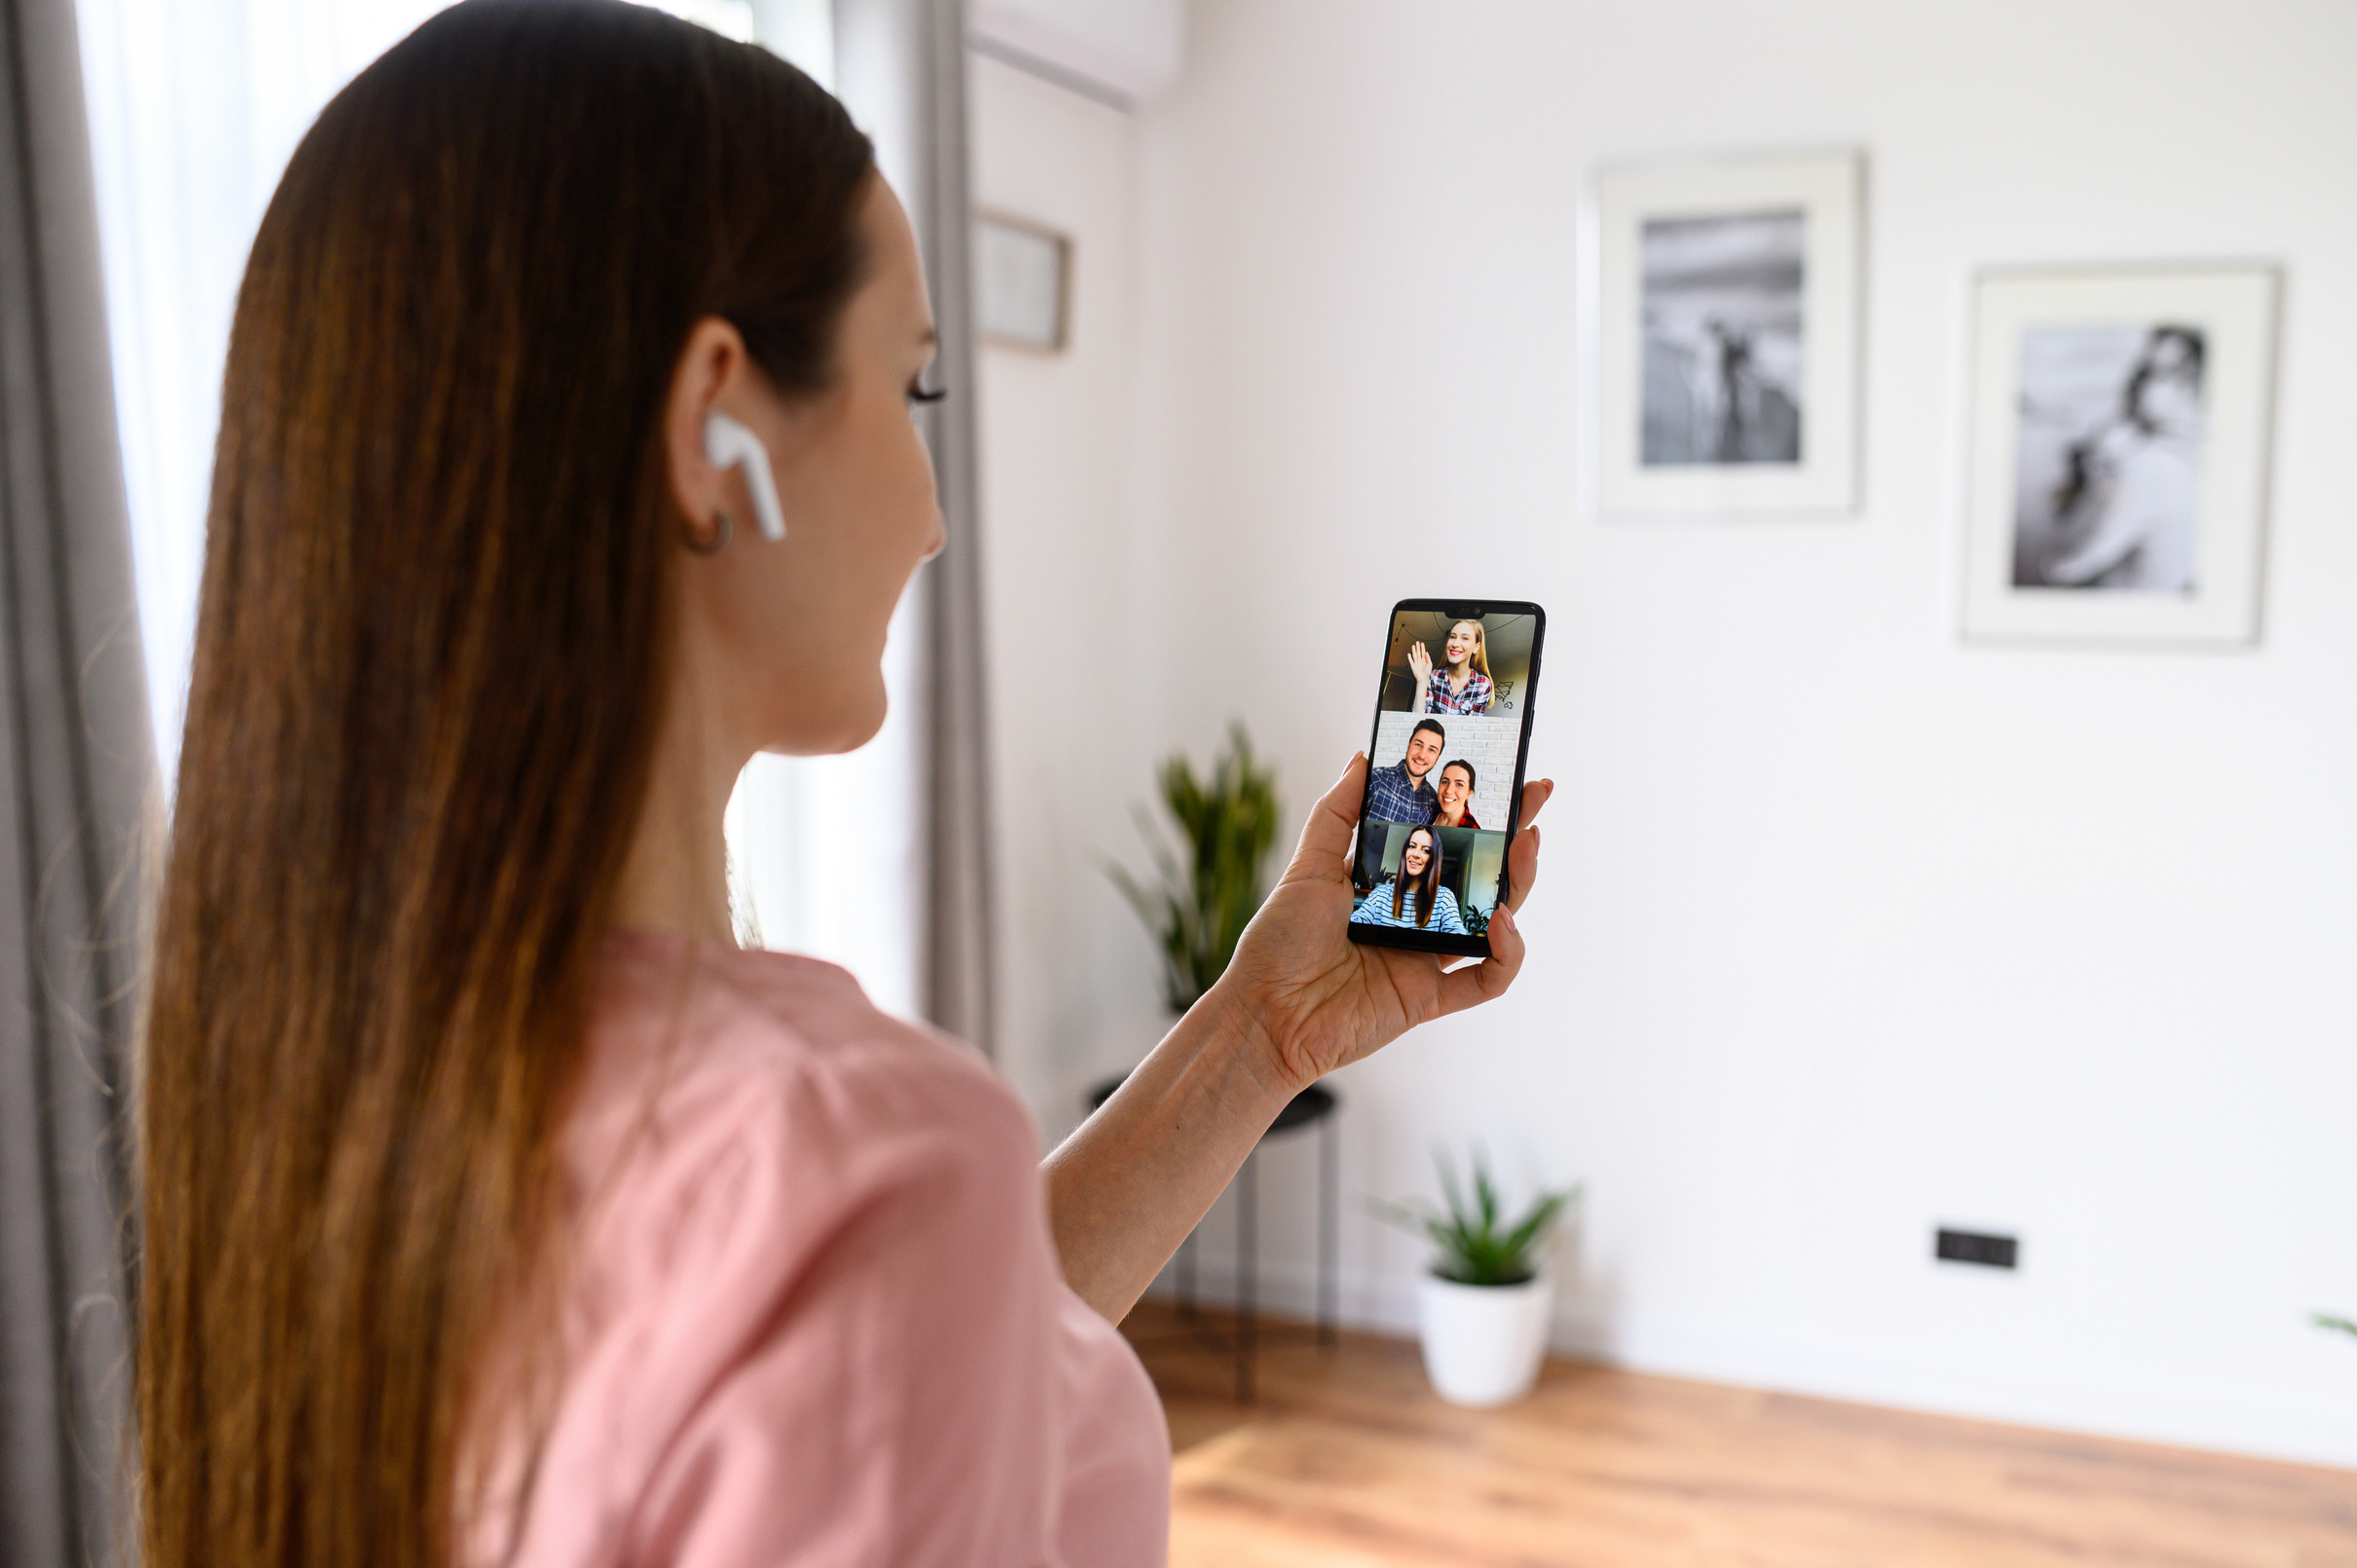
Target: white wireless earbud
{"x": 727, "y": 443}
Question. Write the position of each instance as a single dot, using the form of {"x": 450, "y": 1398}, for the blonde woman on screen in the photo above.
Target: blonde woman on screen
{"x": 1461, "y": 685}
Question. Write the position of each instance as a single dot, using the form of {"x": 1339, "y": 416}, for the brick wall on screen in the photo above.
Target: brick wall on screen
{"x": 1485, "y": 742}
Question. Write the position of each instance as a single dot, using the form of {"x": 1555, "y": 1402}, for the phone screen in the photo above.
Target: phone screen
{"x": 1445, "y": 774}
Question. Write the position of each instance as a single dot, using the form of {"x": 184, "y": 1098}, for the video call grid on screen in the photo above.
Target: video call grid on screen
{"x": 1480, "y": 728}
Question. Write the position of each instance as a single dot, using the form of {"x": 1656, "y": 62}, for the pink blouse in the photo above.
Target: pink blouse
{"x": 813, "y": 1314}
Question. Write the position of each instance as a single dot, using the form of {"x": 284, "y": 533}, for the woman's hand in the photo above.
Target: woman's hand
{"x": 1298, "y": 1001}
{"x": 1319, "y": 1000}
{"x": 1419, "y": 664}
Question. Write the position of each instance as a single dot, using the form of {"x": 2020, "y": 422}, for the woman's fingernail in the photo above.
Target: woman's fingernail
{"x": 1504, "y": 917}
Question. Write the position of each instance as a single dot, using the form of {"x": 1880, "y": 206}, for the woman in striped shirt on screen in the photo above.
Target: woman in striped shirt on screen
{"x": 1414, "y": 898}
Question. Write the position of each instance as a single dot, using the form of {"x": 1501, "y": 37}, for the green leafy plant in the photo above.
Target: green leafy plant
{"x": 1477, "y": 1244}
{"x": 1207, "y": 896}
{"x": 2328, "y": 1321}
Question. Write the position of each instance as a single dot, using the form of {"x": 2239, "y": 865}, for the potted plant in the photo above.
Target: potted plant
{"x": 1485, "y": 1303}
{"x": 1206, "y": 897}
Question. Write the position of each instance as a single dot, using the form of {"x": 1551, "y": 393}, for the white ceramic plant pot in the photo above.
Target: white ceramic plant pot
{"x": 1483, "y": 1343}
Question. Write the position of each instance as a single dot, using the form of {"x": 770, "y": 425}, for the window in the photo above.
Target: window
{"x": 195, "y": 107}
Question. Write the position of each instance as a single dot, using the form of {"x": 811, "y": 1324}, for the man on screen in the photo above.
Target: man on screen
{"x": 1401, "y": 792}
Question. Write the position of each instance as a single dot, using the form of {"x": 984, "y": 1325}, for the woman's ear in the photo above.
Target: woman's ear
{"x": 711, "y": 367}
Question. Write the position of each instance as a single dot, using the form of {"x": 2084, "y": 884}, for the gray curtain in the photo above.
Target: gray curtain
{"x": 77, "y": 770}
{"x": 901, "y": 69}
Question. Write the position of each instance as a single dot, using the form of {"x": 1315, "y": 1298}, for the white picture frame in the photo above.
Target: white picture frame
{"x": 2122, "y": 424}
{"x": 1022, "y": 283}
{"x": 1726, "y": 333}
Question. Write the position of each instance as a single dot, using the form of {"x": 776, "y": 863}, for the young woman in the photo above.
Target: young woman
{"x": 1455, "y": 788}
{"x": 1415, "y": 896}
{"x": 495, "y": 1208}
{"x": 2129, "y": 497}
{"x": 1462, "y": 684}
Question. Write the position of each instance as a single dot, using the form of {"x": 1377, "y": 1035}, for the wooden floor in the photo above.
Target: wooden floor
{"x": 1347, "y": 1458}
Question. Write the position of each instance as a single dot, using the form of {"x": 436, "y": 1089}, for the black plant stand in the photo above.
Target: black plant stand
{"x": 1316, "y": 1106}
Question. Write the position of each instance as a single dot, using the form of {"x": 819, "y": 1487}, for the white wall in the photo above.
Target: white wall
{"x": 1846, "y": 929}
{"x": 1126, "y": 51}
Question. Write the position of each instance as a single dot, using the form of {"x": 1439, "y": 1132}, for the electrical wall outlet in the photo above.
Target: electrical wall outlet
{"x": 1976, "y": 1246}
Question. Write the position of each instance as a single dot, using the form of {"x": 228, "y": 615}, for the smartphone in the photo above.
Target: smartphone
{"x": 1445, "y": 772}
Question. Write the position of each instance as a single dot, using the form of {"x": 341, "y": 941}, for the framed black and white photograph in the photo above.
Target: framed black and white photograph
{"x": 1022, "y": 283}
{"x": 2119, "y": 447}
{"x": 1726, "y": 338}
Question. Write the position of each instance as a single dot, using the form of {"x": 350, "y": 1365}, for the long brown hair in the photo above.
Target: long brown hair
{"x": 429, "y": 657}
{"x": 1427, "y": 882}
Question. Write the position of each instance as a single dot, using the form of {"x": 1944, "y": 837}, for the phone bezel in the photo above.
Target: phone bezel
{"x": 1459, "y": 608}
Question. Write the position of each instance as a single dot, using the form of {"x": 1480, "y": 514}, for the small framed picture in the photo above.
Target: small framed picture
{"x": 2119, "y": 453}
{"x": 1022, "y": 283}
{"x": 1727, "y": 292}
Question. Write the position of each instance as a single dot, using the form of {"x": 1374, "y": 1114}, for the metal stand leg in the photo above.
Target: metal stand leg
{"x": 1326, "y": 1182}
{"x": 1247, "y": 1249}
{"x": 1187, "y": 1278}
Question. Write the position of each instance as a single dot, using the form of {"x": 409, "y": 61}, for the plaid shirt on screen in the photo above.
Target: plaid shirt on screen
{"x": 1474, "y": 698}
{"x": 1393, "y": 797}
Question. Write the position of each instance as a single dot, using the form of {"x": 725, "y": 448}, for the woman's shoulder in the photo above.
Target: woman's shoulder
{"x": 740, "y": 1111}
{"x": 706, "y": 1042}
{"x": 760, "y": 1168}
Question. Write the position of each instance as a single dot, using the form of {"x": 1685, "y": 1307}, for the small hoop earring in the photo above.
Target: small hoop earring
{"x": 719, "y": 541}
